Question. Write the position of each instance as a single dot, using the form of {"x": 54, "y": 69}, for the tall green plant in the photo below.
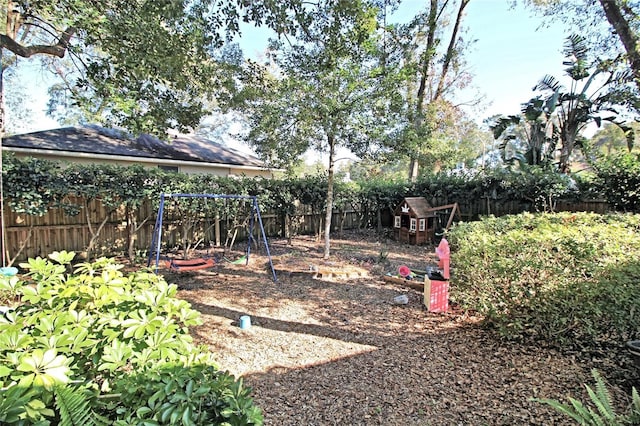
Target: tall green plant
{"x": 618, "y": 180}
{"x": 331, "y": 92}
{"x": 581, "y": 103}
{"x": 529, "y": 138}
{"x": 31, "y": 185}
{"x": 381, "y": 195}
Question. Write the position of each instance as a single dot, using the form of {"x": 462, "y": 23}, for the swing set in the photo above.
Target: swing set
{"x": 181, "y": 265}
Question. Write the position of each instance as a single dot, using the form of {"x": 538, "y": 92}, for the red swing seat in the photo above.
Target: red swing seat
{"x": 181, "y": 265}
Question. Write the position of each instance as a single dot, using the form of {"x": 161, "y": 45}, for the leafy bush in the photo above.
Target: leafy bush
{"x": 552, "y": 276}
{"x": 618, "y": 179}
{"x": 187, "y": 395}
{"x": 97, "y": 347}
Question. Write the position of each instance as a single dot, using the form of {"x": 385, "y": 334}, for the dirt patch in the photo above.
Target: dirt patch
{"x": 328, "y": 346}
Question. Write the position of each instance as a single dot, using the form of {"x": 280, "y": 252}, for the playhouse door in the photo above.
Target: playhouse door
{"x": 405, "y": 221}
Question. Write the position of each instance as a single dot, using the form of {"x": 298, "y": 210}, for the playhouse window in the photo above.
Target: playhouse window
{"x": 422, "y": 224}
{"x": 412, "y": 227}
{"x": 396, "y": 222}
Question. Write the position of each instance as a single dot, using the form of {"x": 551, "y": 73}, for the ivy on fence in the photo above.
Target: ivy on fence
{"x": 129, "y": 197}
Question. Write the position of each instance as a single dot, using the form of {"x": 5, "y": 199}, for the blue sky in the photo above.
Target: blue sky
{"x": 513, "y": 51}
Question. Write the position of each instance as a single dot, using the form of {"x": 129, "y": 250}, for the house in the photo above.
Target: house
{"x": 93, "y": 144}
{"x": 414, "y": 221}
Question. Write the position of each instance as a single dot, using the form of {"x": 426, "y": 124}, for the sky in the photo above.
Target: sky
{"x": 512, "y": 53}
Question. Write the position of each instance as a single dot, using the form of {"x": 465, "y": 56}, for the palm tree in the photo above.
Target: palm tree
{"x": 531, "y": 134}
{"x": 581, "y": 104}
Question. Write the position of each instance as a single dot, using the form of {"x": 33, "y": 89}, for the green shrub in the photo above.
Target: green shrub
{"x": 188, "y": 395}
{"x": 618, "y": 179}
{"x": 569, "y": 279}
{"x": 75, "y": 345}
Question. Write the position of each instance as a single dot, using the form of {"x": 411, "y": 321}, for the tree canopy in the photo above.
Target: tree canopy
{"x": 328, "y": 90}
{"x": 430, "y": 49}
{"x": 144, "y": 65}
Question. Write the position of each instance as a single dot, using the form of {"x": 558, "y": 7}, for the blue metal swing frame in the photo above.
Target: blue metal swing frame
{"x": 154, "y": 250}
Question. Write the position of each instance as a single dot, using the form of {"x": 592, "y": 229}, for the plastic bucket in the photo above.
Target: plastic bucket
{"x": 245, "y": 322}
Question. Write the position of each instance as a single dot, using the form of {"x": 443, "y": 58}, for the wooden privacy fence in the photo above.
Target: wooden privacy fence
{"x": 31, "y": 236}
{"x": 111, "y": 232}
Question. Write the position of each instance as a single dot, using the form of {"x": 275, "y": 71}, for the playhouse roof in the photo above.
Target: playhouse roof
{"x": 415, "y": 206}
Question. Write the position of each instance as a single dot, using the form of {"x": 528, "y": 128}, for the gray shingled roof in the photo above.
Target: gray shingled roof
{"x": 99, "y": 140}
{"x": 418, "y": 205}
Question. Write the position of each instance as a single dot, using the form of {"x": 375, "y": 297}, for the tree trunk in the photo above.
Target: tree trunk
{"x": 3, "y": 237}
{"x": 413, "y": 169}
{"x": 450, "y": 49}
{"x": 132, "y": 235}
{"x": 425, "y": 67}
{"x": 428, "y": 55}
{"x": 327, "y": 221}
{"x": 10, "y": 260}
{"x": 568, "y": 142}
{"x": 133, "y": 227}
{"x": 95, "y": 234}
{"x": 626, "y": 35}
{"x": 217, "y": 229}
{"x": 435, "y": 12}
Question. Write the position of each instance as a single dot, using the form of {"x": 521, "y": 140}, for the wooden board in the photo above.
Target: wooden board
{"x": 320, "y": 272}
{"x": 415, "y": 284}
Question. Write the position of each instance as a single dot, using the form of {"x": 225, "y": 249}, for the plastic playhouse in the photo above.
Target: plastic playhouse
{"x": 436, "y": 283}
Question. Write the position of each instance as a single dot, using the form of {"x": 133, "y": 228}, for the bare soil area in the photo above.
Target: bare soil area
{"x": 327, "y": 344}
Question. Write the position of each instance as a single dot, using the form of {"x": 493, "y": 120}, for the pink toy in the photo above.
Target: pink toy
{"x": 436, "y": 291}
{"x": 404, "y": 271}
{"x": 443, "y": 253}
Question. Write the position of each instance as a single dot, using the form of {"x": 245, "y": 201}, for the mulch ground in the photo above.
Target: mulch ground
{"x": 327, "y": 344}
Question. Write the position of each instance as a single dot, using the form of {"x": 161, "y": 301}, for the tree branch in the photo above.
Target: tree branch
{"x": 59, "y": 49}
{"x": 451, "y": 49}
{"x": 625, "y": 33}
{"x": 427, "y": 55}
